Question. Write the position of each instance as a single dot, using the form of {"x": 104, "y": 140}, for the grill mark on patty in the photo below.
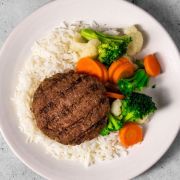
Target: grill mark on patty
{"x": 55, "y": 79}
{"x": 51, "y": 104}
{"x": 74, "y": 123}
{"x": 73, "y": 105}
{"x": 46, "y": 108}
{"x": 74, "y": 84}
{"x": 83, "y": 136}
{"x": 46, "y": 85}
{"x": 81, "y": 119}
{"x": 76, "y": 102}
{"x": 93, "y": 87}
{"x": 91, "y": 118}
{"x": 62, "y": 93}
{"x": 92, "y": 133}
{"x": 66, "y": 110}
{"x": 81, "y": 107}
{"x": 53, "y": 117}
{"x": 51, "y": 84}
{"x": 72, "y": 81}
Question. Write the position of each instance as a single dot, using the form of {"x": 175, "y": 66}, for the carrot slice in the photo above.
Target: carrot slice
{"x": 114, "y": 66}
{"x": 89, "y": 66}
{"x": 123, "y": 71}
{"x": 105, "y": 72}
{"x": 152, "y": 65}
{"x": 130, "y": 134}
{"x": 114, "y": 95}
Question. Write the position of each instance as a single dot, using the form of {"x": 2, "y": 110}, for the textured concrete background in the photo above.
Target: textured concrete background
{"x": 167, "y": 12}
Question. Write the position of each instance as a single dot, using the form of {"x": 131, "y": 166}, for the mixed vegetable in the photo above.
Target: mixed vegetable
{"x": 111, "y": 47}
{"x": 132, "y": 109}
{"x": 110, "y": 58}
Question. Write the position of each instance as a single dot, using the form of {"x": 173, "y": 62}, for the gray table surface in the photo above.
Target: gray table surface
{"x": 167, "y": 12}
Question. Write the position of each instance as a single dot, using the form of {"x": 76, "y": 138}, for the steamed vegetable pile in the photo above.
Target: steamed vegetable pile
{"x": 111, "y": 58}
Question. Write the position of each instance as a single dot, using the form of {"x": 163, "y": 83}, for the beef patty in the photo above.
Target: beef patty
{"x": 70, "y": 107}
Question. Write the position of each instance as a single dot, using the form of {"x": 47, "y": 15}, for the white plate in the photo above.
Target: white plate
{"x": 161, "y": 130}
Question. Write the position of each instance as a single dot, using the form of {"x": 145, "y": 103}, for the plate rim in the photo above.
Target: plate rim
{"x": 21, "y": 24}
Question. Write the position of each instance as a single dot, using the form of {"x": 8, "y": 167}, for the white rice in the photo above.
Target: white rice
{"x": 51, "y": 55}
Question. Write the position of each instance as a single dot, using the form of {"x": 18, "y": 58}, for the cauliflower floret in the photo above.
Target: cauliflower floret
{"x": 137, "y": 40}
{"x": 84, "y": 49}
{"x": 116, "y": 107}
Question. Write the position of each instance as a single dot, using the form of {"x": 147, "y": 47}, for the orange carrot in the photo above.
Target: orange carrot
{"x": 123, "y": 71}
{"x": 114, "y": 66}
{"x": 114, "y": 95}
{"x": 89, "y": 66}
{"x": 130, "y": 134}
{"x": 105, "y": 72}
{"x": 152, "y": 65}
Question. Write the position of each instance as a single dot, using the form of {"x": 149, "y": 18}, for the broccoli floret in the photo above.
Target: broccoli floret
{"x": 137, "y": 82}
{"x": 111, "y": 47}
{"x": 113, "y": 124}
{"x": 136, "y": 107}
{"x": 110, "y": 51}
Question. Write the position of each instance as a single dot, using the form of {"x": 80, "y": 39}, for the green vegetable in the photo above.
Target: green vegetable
{"x": 111, "y": 47}
{"x": 113, "y": 124}
{"x": 137, "y": 106}
{"x": 92, "y": 34}
{"x": 117, "y": 124}
{"x": 105, "y": 131}
{"x": 110, "y": 51}
{"x": 139, "y": 64}
{"x": 137, "y": 82}
{"x": 110, "y": 126}
{"x": 89, "y": 34}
